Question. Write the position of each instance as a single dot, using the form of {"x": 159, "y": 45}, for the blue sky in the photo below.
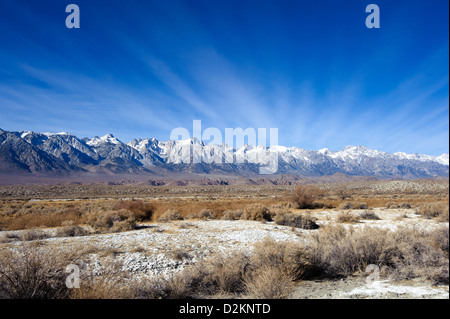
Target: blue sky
{"x": 309, "y": 68}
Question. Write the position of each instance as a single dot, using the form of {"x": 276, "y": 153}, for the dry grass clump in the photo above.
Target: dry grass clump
{"x": 108, "y": 281}
{"x": 72, "y": 231}
{"x": 26, "y": 235}
{"x": 141, "y": 211}
{"x": 282, "y": 206}
{"x": 33, "y": 234}
{"x": 289, "y": 258}
{"x": 405, "y": 205}
{"x": 434, "y": 210}
{"x": 336, "y": 251}
{"x": 287, "y": 218}
{"x": 305, "y": 196}
{"x": 58, "y": 214}
{"x": 216, "y": 275}
{"x": 347, "y": 217}
{"x": 396, "y": 205}
{"x": 169, "y": 215}
{"x": 256, "y": 212}
{"x": 369, "y": 215}
{"x": 441, "y": 239}
{"x": 40, "y": 216}
{"x": 232, "y": 214}
{"x": 405, "y": 253}
{"x": 27, "y": 272}
{"x": 203, "y": 214}
{"x": 350, "y": 205}
{"x": 268, "y": 283}
{"x": 112, "y": 221}
{"x": 422, "y": 254}
{"x": 30, "y": 271}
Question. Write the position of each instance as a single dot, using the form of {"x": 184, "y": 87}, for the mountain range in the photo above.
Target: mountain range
{"x": 63, "y": 154}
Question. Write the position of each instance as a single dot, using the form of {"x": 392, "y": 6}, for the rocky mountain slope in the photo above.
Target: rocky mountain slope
{"x": 64, "y": 153}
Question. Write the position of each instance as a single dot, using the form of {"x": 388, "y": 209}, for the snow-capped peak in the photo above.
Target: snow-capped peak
{"x": 325, "y": 151}
{"x": 443, "y": 159}
{"x": 108, "y": 138}
{"x": 48, "y": 134}
{"x": 25, "y": 133}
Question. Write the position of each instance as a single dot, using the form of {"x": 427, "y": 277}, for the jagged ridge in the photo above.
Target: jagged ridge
{"x": 63, "y": 153}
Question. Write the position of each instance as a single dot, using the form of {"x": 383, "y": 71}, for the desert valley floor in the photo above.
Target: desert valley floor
{"x": 148, "y": 239}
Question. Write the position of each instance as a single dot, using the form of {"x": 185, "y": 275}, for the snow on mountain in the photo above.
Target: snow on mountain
{"x": 192, "y": 155}
{"x": 108, "y": 138}
{"x": 443, "y": 159}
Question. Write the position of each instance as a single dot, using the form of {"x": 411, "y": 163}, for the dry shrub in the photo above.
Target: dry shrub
{"x": 216, "y": 275}
{"x": 268, "y": 283}
{"x": 391, "y": 205}
{"x": 203, "y": 214}
{"x": 395, "y": 205}
{"x": 422, "y": 254}
{"x": 169, "y": 215}
{"x": 343, "y": 193}
{"x": 281, "y": 206}
{"x": 108, "y": 281}
{"x": 42, "y": 218}
{"x": 434, "y": 210}
{"x": 443, "y": 217}
{"x": 28, "y": 272}
{"x": 369, "y": 215}
{"x": 441, "y": 238}
{"x": 72, "y": 231}
{"x": 287, "y": 218}
{"x": 336, "y": 251}
{"x": 406, "y": 253}
{"x": 9, "y": 237}
{"x": 288, "y": 257}
{"x": 141, "y": 211}
{"x": 34, "y": 234}
{"x": 350, "y": 205}
{"x": 232, "y": 214}
{"x": 405, "y": 205}
{"x": 112, "y": 221}
{"x": 347, "y": 217}
{"x": 306, "y": 196}
{"x": 257, "y": 212}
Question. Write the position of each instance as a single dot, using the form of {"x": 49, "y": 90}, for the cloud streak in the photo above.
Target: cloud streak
{"x": 165, "y": 64}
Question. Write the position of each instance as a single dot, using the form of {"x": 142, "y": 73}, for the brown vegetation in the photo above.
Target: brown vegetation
{"x": 267, "y": 271}
{"x": 347, "y": 217}
{"x": 434, "y": 210}
{"x": 287, "y": 218}
{"x": 305, "y": 196}
{"x": 169, "y": 215}
{"x": 257, "y": 212}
